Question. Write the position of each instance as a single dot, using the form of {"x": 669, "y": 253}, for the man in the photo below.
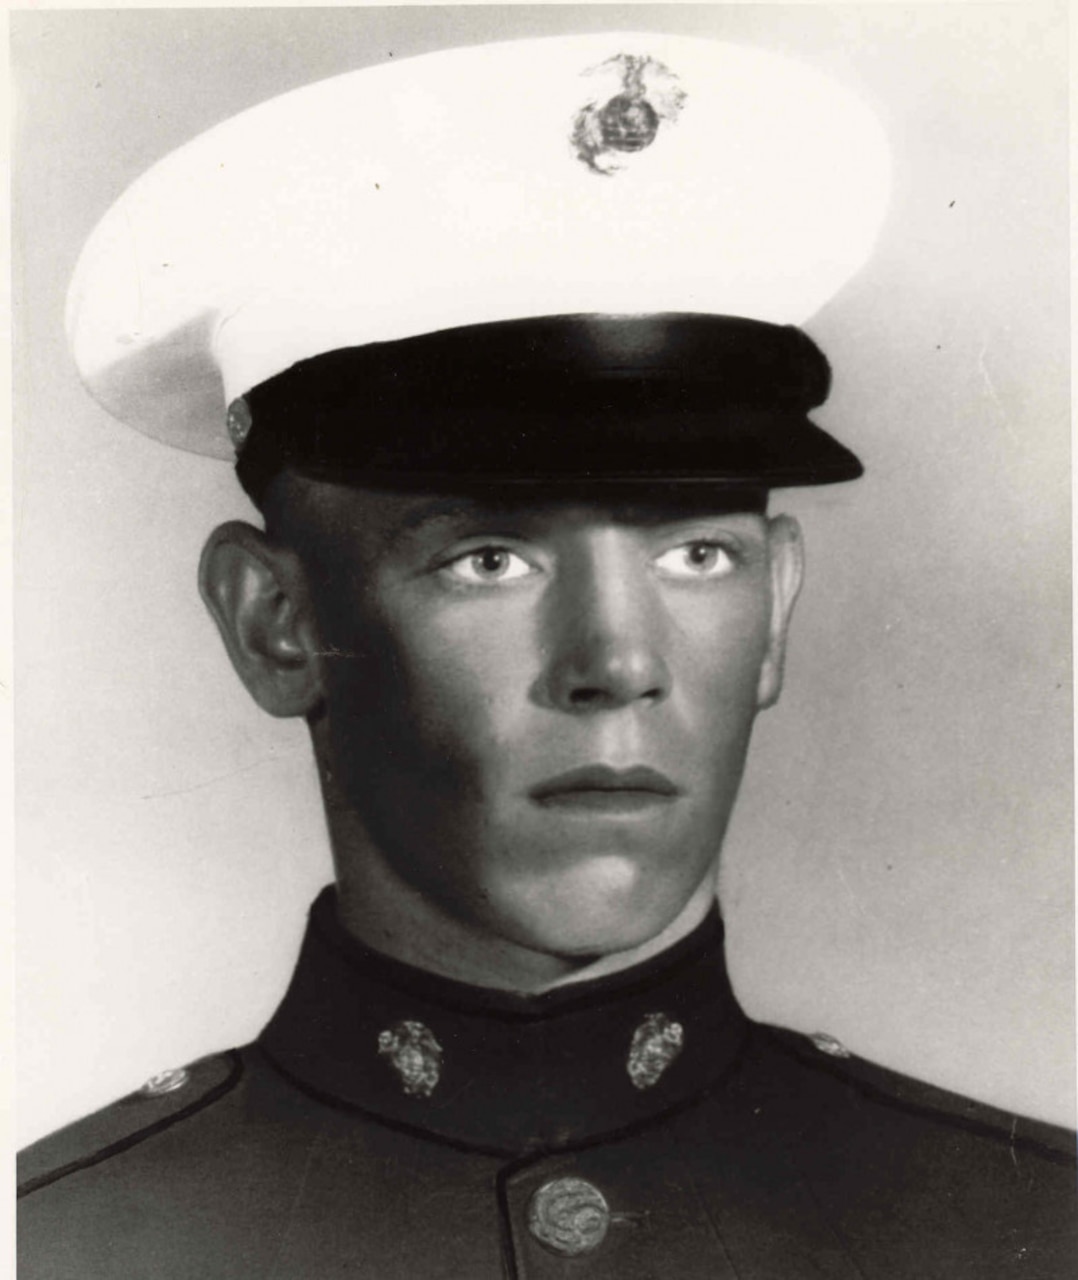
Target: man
{"x": 510, "y": 368}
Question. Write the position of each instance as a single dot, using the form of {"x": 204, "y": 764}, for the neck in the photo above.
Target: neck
{"x": 387, "y": 913}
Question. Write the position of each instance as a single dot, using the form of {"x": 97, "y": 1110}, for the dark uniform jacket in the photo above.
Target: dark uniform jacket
{"x": 395, "y": 1125}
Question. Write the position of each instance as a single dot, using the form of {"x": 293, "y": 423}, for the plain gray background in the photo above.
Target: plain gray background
{"x": 898, "y": 872}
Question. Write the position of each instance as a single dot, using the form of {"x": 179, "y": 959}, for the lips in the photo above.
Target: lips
{"x": 600, "y": 788}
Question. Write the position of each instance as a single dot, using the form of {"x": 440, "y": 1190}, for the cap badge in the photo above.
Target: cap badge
{"x": 414, "y": 1055}
{"x": 657, "y": 1041}
{"x": 238, "y": 422}
{"x": 603, "y": 132}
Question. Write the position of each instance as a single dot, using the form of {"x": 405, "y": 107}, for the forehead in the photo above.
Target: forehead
{"x": 327, "y": 508}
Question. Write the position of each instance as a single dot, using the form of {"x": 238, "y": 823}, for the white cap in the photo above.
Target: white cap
{"x": 614, "y": 174}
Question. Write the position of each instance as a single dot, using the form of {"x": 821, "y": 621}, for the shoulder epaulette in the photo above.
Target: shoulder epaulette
{"x": 163, "y": 1101}
{"x": 825, "y": 1053}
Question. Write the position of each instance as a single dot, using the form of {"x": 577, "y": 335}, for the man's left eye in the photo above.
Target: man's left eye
{"x": 696, "y": 560}
{"x": 488, "y": 565}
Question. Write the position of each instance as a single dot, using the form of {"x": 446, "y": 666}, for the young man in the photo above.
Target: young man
{"x": 507, "y": 342}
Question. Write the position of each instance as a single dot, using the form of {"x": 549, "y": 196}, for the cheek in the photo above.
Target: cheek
{"x": 443, "y": 686}
{"x": 720, "y": 644}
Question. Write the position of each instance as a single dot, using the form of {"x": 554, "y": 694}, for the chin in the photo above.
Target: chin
{"x": 600, "y": 909}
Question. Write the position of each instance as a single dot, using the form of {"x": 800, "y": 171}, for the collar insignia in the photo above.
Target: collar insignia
{"x": 657, "y": 1041}
{"x": 628, "y": 121}
{"x": 414, "y": 1055}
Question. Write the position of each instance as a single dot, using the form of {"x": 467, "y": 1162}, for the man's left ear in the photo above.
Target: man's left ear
{"x": 787, "y": 569}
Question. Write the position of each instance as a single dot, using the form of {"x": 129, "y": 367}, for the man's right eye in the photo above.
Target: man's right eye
{"x": 488, "y": 566}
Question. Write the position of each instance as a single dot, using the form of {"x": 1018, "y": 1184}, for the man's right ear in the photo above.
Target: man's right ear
{"x": 256, "y": 593}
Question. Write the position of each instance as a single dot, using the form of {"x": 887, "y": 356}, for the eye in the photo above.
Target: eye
{"x": 488, "y": 566}
{"x": 698, "y": 559}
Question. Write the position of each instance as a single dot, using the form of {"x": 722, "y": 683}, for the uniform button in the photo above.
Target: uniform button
{"x": 165, "y": 1082}
{"x": 569, "y": 1216}
{"x": 828, "y": 1044}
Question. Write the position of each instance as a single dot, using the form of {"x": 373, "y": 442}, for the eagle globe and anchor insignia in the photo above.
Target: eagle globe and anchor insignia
{"x": 414, "y": 1054}
{"x": 605, "y": 133}
{"x": 657, "y": 1042}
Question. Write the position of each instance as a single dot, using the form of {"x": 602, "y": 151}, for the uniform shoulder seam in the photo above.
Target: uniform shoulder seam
{"x": 207, "y": 1099}
{"x": 931, "y": 1102}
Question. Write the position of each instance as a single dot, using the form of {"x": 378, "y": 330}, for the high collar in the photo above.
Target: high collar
{"x": 497, "y": 1071}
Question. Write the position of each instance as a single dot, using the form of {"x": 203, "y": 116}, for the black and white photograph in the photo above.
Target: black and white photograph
{"x": 542, "y": 611}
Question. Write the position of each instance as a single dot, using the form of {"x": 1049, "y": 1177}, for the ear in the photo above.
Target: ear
{"x": 787, "y": 569}
{"x": 256, "y": 593}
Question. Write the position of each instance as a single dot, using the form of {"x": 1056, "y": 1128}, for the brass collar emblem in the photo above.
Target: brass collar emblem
{"x": 657, "y": 1041}
{"x": 414, "y": 1055}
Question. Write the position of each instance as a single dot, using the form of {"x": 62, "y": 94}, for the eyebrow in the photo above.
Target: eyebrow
{"x": 448, "y": 509}
{"x": 436, "y": 509}
{"x": 622, "y": 510}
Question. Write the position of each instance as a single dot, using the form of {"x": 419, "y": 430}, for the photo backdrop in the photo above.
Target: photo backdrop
{"x": 898, "y": 872}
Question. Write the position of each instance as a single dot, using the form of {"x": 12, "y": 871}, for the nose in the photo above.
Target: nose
{"x": 607, "y": 632}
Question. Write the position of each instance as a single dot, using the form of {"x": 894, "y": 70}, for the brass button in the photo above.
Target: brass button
{"x": 165, "y": 1082}
{"x": 569, "y": 1216}
{"x": 828, "y": 1044}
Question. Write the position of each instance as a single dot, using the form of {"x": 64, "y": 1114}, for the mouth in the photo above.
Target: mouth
{"x": 600, "y": 789}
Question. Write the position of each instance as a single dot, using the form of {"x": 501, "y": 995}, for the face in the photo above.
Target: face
{"x": 539, "y": 710}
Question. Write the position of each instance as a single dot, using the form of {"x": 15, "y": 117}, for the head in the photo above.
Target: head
{"x": 584, "y": 262}
{"x": 530, "y": 707}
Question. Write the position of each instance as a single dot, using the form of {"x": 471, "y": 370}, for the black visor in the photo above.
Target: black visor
{"x": 563, "y": 399}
